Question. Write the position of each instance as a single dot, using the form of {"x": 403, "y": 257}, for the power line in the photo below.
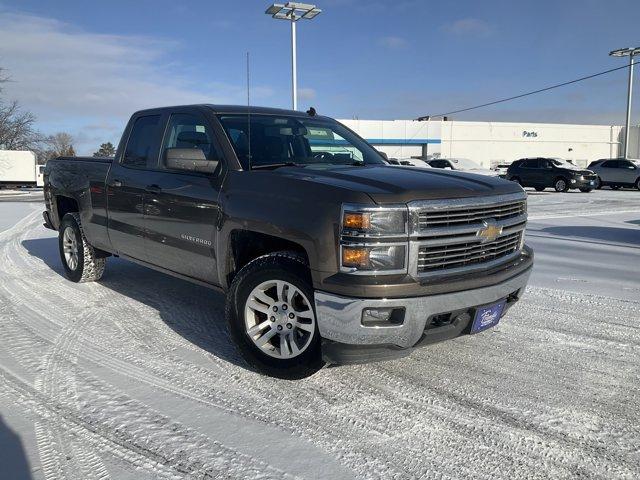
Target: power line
{"x": 426, "y": 117}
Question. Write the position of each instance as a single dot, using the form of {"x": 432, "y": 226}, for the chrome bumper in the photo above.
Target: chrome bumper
{"x": 339, "y": 318}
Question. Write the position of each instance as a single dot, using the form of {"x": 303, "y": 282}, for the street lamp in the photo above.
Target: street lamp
{"x": 293, "y": 11}
{"x": 627, "y": 52}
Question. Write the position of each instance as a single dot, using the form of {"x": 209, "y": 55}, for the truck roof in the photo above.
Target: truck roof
{"x": 232, "y": 109}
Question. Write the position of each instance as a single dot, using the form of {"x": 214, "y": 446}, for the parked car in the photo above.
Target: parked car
{"x": 616, "y": 172}
{"x": 541, "y": 173}
{"x": 461, "y": 164}
{"x": 501, "y": 169}
{"x": 412, "y": 162}
{"x": 325, "y": 252}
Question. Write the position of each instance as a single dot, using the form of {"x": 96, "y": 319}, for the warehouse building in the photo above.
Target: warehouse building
{"x": 491, "y": 143}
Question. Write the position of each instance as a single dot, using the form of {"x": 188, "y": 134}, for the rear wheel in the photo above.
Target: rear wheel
{"x": 598, "y": 183}
{"x": 561, "y": 185}
{"x": 271, "y": 316}
{"x": 80, "y": 261}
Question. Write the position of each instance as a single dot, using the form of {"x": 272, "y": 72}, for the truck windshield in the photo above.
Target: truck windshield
{"x": 262, "y": 141}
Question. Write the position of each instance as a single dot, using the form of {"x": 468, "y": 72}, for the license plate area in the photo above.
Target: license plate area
{"x": 487, "y": 316}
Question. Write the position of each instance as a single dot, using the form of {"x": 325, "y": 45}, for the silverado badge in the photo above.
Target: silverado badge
{"x": 489, "y": 231}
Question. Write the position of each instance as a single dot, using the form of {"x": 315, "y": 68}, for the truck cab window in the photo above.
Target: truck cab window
{"x": 142, "y": 142}
{"x": 188, "y": 131}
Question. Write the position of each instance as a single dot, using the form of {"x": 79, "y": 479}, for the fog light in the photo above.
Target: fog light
{"x": 382, "y": 317}
{"x": 573, "y": 180}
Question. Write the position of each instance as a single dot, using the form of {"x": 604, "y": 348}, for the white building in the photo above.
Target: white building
{"x": 490, "y": 143}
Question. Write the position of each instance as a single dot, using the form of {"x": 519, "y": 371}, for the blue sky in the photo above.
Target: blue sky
{"x": 84, "y": 66}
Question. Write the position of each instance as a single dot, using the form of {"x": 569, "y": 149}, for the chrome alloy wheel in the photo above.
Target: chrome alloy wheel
{"x": 70, "y": 248}
{"x": 279, "y": 319}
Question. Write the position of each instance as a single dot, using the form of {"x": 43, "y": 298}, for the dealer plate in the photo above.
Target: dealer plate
{"x": 488, "y": 316}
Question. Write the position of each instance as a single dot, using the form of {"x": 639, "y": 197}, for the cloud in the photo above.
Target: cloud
{"x": 392, "y": 42}
{"x": 71, "y": 78}
{"x": 469, "y": 26}
{"x": 306, "y": 94}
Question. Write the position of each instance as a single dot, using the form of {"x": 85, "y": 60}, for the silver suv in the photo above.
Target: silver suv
{"x": 616, "y": 173}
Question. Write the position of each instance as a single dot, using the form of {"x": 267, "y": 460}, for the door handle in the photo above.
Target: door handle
{"x": 153, "y": 188}
{"x": 116, "y": 183}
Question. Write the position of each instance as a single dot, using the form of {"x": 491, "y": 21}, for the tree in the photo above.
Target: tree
{"x": 106, "y": 150}
{"x": 58, "y": 145}
{"x": 17, "y": 130}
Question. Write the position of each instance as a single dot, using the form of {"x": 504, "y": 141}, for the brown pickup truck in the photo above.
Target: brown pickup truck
{"x": 326, "y": 253}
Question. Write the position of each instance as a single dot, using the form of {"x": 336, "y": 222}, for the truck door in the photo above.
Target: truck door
{"x": 126, "y": 184}
{"x": 181, "y": 207}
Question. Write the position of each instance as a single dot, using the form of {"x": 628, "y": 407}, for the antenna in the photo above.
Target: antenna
{"x": 248, "y": 115}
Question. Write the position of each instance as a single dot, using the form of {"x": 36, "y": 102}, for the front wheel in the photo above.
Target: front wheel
{"x": 271, "y": 316}
{"x": 79, "y": 259}
{"x": 598, "y": 183}
{"x": 561, "y": 185}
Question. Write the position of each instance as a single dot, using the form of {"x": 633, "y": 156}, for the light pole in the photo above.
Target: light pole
{"x": 627, "y": 52}
{"x": 293, "y": 11}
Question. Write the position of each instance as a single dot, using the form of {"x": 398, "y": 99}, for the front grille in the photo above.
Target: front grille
{"x": 458, "y": 255}
{"x": 446, "y": 234}
{"x": 470, "y": 215}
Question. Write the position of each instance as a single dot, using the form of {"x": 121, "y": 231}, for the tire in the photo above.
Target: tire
{"x": 585, "y": 190}
{"x": 79, "y": 259}
{"x": 638, "y": 184}
{"x": 614, "y": 187}
{"x": 598, "y": 183}
{"x": 539, "y": 189}
{"x": 561, "y": 185}
{"x": 258, "y": 284}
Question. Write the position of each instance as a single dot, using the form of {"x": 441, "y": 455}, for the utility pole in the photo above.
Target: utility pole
{"x": 627, "y": 52}
{"x": 293, "y": 11}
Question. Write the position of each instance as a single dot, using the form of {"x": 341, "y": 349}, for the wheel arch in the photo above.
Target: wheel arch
{"x": 244, "y": 246}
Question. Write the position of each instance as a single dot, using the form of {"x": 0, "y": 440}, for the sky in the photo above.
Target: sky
{"x": 85, "y": 66}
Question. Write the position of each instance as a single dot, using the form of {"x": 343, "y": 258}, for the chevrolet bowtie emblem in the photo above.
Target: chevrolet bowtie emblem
{"x": 489, "y": 231}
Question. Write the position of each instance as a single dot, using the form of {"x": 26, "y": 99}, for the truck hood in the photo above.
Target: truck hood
{"x": 390, "y": 184}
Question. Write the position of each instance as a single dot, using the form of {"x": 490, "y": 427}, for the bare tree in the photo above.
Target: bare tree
{"x": 17, "y": 127}
{"x": 58, "y": 145}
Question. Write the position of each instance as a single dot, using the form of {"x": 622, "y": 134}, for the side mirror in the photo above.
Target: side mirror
{"x": 384, "y": 155}
{"x": 189, "y": 159}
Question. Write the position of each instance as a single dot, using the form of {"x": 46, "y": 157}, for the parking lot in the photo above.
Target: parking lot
{"x": 134, "y": 376}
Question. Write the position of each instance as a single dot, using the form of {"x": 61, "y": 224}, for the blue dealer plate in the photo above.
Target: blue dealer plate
{"x": 488, "y": 316}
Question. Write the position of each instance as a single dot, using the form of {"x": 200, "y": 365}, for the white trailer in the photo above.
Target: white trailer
{"x": 19, "y": 169}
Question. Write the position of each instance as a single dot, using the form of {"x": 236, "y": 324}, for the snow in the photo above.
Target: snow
{"x": 134, "y": 377}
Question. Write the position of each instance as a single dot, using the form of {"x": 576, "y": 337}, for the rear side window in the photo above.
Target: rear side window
{"x": 142, "y": 143}
{"x": 187, "y": 131}
{"x": 610, "y": 164}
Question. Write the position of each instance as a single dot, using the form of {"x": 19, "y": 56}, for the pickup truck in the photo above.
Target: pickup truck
{"x": 327, "y": 254}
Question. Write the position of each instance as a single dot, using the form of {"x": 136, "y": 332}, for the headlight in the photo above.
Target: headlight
{"x": 373, "y": 240}
{"x": 373, "y": 221}
{"x": 374, "y": 258}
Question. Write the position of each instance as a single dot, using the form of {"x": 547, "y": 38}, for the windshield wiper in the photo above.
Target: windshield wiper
{"x": 275, "y": 165}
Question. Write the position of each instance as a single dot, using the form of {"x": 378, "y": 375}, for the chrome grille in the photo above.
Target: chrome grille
{"x": 457, "y": 255}
{"x": 469, "y": 215}
{"x": 445, "y": 233}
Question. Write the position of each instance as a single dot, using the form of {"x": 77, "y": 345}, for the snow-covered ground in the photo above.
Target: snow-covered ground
{"x": 134, "y": 378}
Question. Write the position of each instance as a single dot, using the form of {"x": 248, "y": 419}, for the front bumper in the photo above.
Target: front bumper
{"x": 583, "y": 183}
{"x": 346, "y": 340}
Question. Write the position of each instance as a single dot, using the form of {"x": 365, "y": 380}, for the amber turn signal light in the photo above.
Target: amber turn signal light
{"x": 355, "y": 257}
{"x": 357, "y": 221}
